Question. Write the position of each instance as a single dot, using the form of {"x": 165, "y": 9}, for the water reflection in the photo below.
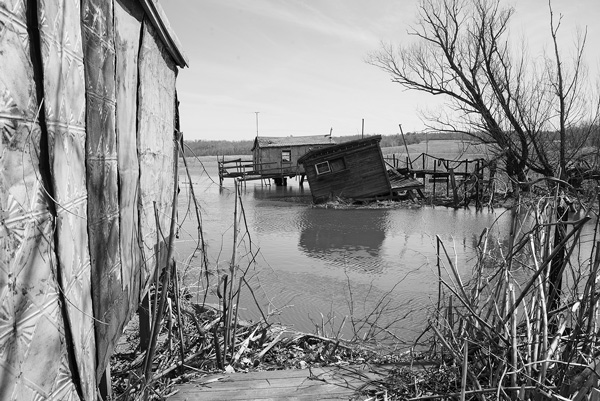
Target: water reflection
{"x": 289, "y": 193}
{"x": 311, "y": 258}
{"x": 351, "y": 239}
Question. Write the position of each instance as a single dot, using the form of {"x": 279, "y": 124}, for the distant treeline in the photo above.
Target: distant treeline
{"x": 221, "y": 147}
{"x": 218, "y": 148}
{"x": 203, "y": 147}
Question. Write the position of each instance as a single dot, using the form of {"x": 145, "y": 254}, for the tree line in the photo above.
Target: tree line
{"x": 204, "y": 147}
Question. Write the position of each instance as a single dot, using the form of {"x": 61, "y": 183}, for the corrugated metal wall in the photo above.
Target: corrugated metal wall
{"x": 74, "y": 116}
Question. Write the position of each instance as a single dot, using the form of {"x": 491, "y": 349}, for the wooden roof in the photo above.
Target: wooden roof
{"x": 285, "y": 141}
{"x": 344, "y": 146}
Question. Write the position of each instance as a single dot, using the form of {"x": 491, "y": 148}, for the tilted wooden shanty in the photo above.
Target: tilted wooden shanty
{"x": 88, "y": 121}
{"x": 353, "y": 169}
{"x": 277, "y": 157}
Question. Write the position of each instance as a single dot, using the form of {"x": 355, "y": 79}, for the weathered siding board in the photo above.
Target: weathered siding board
{"x": 64, "y": 108}
{"x": 33, "y": 359}
{"x": 364, "y": 176}
{"x": 155, "y": 143}
{"x": 272, "y": 156}
{"x": 267, "y": 152}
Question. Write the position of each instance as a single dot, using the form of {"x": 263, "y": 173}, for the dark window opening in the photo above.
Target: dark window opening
{"x": 286, "y": 156}
{"x": 337, "y": 164}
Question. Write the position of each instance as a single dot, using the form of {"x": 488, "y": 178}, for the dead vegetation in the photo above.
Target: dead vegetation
{"x": 524, "y": 324}
{"x": 521, "y": 325}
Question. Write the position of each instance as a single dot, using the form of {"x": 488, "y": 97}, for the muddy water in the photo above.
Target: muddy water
{"x": 315, "y": 265}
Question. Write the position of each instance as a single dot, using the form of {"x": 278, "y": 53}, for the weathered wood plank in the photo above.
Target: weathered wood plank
{"x": 336, "y": 383}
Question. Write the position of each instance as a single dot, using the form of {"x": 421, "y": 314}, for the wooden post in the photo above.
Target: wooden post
{"x": 405, "y": 146}
{"x": 434, "y": 178}
{"x": 363, "y": 128}
{"x": 145, "y": 322}
{"x": 105, "y": 385}
{"x": 220, "y": 172}
{"x": 453, "y": 181}
{"x": 477, "y": 184}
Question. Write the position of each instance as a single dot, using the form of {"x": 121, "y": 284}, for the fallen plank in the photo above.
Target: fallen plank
{"x": 331, "y": 383}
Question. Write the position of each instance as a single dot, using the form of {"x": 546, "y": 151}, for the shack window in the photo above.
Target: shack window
{"x": 322, "y": 168}
{"x": 286, "y": 156}
{"x": 337, "y": 164}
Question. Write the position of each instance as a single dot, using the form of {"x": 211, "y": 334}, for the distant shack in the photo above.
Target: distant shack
{"x": 354, "y": 169}
{"x": 277, "y": 157}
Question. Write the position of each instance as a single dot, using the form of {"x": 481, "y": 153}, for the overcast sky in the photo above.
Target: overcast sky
{"x": 300, "y": 63}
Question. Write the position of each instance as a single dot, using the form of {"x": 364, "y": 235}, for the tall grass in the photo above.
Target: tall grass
{"x": 525, "y": 325}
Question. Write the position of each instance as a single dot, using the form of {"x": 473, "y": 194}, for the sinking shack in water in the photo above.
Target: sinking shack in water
{"x": 354, "y": 169}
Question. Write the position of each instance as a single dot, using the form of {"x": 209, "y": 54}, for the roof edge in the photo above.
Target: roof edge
{"x": 334, "y": 148}
{"x": 159, "y": 20}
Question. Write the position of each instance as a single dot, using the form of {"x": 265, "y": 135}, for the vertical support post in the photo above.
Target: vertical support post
{"x": 454, "y": 192}
{"x": 434, "y": 178}
{"x": 447, "y": 180}
{"x": 145, "y": 322}
{"x": 405, "y": 146}
{"x": 105, "y": 385}
{"x": 220, "y": 165}
{"x": 478, "y": 177}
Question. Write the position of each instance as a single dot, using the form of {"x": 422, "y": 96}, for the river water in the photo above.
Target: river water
{"x": 316, "y": 266}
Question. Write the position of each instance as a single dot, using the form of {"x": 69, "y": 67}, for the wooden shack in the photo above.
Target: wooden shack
{"x": 277, "y": 157}
{"x": 353, "y": 169}
{"x": 88, "y": 151}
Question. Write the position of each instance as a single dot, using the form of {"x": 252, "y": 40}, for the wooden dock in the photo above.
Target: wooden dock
{"x": 247, "y": 170}
{"x": 329, "y": 383}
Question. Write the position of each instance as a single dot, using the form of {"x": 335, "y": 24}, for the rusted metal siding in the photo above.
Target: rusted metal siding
{"x": 72, "y": 185}
{"x": 102, "y": 177}
{"x": 33, "y": 359}
{"x": 64, "y": 108}
{"x": 156, "y": 112}
{"x": 128, "y": 16}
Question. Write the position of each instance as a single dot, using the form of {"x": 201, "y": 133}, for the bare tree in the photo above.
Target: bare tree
{"x": 494, "y": 91}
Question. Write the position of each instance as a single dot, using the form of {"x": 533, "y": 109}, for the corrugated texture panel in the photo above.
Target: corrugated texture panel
{"x": 119, "y": 285}
{"x": 155, "y": 143}
{"x": 127, "y": 42}
{"x": 64, "y": 106}
{"x": 110, "y": 304}
{"x": 33, "y": 357}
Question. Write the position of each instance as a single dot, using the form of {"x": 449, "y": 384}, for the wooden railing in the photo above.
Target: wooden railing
{"x": 245, "y": 169}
